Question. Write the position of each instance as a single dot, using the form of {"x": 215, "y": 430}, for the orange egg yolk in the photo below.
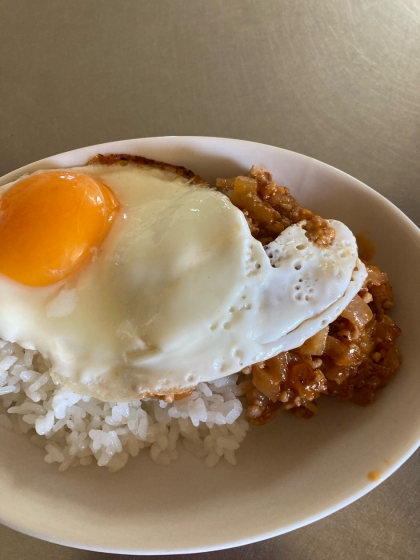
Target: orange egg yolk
{"x": 50, "y": 225}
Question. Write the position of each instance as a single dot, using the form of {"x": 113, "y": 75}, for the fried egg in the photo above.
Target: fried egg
{"x": 134, "y": 280}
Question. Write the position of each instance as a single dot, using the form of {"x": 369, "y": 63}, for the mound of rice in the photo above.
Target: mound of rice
{"x": 78, "y": 430}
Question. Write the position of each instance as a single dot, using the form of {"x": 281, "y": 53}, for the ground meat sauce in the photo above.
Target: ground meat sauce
{"x": 352, "y": 357}
{"x": 269, "y": 208}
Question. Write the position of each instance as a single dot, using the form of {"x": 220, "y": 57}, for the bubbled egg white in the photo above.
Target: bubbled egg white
{"x": 179, "y": 292}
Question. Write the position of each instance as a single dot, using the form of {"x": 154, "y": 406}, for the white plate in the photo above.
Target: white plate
{"x": 289, "y": 473}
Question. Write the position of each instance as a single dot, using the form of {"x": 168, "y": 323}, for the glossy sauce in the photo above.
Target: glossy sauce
{"x": 354, "y": 361}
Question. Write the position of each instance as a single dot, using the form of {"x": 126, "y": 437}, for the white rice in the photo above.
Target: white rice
{"x": 78, "y": 430}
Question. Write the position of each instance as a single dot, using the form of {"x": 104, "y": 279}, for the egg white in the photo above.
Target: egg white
{"x": 178, "y": 293}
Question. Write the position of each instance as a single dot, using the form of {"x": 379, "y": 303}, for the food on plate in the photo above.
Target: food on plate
{"x": 138, "y": 304}
{"x": 351, "y": 357}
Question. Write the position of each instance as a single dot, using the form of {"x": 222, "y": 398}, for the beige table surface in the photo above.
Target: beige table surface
{"x": 338, "y": 80}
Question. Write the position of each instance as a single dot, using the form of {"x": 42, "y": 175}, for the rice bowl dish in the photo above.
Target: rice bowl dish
{"x": 143, "y": 300}
{"x": 211, "y": 421}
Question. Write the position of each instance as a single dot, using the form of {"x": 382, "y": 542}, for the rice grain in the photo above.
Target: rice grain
{"x": 78, "y": 430}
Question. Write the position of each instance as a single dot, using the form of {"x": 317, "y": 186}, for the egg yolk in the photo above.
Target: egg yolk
{"x": 50, "y": 224}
